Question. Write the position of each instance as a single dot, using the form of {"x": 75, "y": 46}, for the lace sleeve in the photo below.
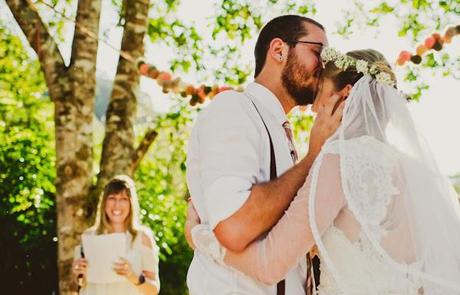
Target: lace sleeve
{"x": 271, "y": 257}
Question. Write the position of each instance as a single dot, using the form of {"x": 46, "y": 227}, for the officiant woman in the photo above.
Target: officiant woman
{"x": 118, "y": 212}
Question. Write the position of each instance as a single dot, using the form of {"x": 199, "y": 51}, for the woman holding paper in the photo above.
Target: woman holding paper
{"x": 118, "y": 255}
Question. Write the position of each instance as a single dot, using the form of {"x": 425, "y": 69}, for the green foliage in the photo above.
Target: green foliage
{"x": 163, "y": 192}
{"x": 411, "y": 25}
{"x": 235, "y": 23}
{"x": 241, "y": 19}
{"x": 383, "y": 8}
{"x": 417, "y": 19}
{"x": 53, "y": 12}
{"x": 27, "y": 172}
{"x": 236, "y": 20}
{"x": 182, "y": 37}
{"x": 302, "y": 123}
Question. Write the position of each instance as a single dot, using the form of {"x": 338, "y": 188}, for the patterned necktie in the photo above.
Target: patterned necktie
{"x": 295, "y": 157}
{"x": 309, "y": 280}
{"x": 289, "y": 135}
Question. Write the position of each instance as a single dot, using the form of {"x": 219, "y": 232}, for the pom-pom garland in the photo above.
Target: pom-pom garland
{"x": 433, "y": 42}
{"x": 196, "y": 94}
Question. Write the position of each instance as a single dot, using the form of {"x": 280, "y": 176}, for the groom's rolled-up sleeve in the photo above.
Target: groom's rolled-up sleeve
{"x": 230, "y": 144}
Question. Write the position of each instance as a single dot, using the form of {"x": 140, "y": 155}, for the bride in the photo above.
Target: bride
{"x": 384, "y": 219}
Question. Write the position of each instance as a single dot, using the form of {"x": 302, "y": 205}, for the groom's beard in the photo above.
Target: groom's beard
{"x": 298, "y": 82}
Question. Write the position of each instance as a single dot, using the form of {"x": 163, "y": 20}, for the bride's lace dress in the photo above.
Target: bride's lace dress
{"x": 370, "y": 166}
{"x": 367, "y": 272}
{"x": 353, "y": 266}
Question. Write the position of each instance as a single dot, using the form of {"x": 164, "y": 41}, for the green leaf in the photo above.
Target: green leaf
{"x": 383, "y": 8}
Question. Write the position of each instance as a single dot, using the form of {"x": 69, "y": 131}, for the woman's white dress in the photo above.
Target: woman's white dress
{"x": 136, "y": 255}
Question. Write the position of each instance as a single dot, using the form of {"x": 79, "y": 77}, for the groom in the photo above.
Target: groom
{"x": 242, "y": 166}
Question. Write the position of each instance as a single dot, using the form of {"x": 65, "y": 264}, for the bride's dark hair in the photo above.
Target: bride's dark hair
{"x": 350, "y": 76}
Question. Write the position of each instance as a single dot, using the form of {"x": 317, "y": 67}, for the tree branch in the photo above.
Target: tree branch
{"x": 142, "y": 149}
{"x": 85, "y": 39}
{"x": 43, "y": 44}
{"x": 118, "y": 145}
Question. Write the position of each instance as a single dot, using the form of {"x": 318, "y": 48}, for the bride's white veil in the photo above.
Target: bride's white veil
{"x": 407, "y": 211}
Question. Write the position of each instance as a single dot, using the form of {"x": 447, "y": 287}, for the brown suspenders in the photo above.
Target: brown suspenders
{"x": 281, "y": 286}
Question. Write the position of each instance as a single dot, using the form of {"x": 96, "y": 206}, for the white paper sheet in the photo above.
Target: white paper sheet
{"x": 102, "y": 251}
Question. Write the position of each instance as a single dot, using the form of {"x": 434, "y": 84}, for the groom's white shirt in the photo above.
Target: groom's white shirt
{"x": 228, "y": 152}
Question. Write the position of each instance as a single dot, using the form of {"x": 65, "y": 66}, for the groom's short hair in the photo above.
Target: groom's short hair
{"x": 285, "y": 27}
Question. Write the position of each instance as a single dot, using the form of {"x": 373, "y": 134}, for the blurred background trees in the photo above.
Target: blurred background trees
{"x": 27, "y": 172}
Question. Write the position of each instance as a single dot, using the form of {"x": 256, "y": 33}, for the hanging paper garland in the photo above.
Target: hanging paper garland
{"x": 433, "y": 42}
{"x": 197, "y": 94}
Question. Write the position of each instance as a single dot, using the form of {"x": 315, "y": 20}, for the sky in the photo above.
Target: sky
{"x": 437, "y": 115}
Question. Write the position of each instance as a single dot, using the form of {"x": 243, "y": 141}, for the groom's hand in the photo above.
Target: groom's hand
{"x": 326, "y": 123}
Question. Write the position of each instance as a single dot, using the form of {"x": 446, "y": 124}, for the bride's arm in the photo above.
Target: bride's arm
{"x": 269, "y": 259}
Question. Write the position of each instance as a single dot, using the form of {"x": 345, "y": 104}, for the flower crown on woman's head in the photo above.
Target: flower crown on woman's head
{"x": 343, "y": 62}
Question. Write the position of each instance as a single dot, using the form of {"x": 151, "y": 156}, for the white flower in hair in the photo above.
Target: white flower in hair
{"x": 340, "y": 62}
{"x": 343, "y": 62}
{"x": 384, "y": 78}
{"x": 329, "y": 54}
{"x": 373, "y": 70}
{"x": 362, "y": 67}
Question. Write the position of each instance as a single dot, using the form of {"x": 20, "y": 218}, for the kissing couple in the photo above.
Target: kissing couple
{"x": 365, "y": 211}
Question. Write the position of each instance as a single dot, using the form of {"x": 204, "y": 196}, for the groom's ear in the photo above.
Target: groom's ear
{"x": 277, "y": 50}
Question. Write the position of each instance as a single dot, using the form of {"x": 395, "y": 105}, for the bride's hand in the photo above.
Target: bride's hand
{"x": 326, "y": 123}
{"x": 192, "y": 220}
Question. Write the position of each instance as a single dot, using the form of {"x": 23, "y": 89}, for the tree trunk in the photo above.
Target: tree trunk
{"x": 74, "y": 140}
{"x": 72, "y": 90}
{"x": 118, "y": 148}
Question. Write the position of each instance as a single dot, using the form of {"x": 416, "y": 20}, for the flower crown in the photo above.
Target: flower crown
{"x": 343, "y": 62}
